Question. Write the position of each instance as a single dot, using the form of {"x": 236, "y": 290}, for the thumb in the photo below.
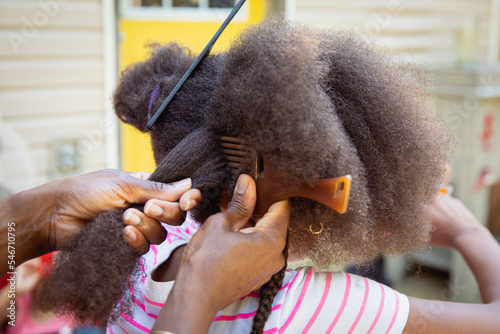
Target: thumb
{"x": 242, "y": 205}
{"x": 276, "y": 219}
{"x": 141, "y": 191}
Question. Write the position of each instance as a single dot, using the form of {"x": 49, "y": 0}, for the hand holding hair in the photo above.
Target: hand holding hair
{"x": 225, "y": 261}
{"x": 46, "y": 218}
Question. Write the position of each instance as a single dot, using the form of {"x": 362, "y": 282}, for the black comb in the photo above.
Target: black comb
{"x": 194, "y": 65}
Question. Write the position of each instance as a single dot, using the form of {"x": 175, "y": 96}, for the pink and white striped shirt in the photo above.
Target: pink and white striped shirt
{"x": 308, "y": 302}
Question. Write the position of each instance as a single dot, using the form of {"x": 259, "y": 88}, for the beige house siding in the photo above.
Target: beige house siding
{"x": 433, "y": 30}
{"x": 52, "y": 85}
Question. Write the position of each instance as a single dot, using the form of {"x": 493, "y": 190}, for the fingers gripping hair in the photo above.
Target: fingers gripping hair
{"x": 86, "y": 282}
{"x": 370, "y": 111}
{"x": 93, "y": 276}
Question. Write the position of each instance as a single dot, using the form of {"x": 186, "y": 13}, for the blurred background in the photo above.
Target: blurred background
{"x": 60, "y": 60}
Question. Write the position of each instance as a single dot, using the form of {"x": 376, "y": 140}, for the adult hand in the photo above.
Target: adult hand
{"x": 144, "y": 228}
{"x": 225, "y": 261}
{"x": 245, "y": 258}
{"x": 82, "y": 198}
{"x": 46, "y": 218}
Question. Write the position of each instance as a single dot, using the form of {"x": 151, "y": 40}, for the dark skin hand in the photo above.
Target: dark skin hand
{"x": 46, "y": 218}
{"x": 226, "y": 278}
{"x": 225, "y": 261}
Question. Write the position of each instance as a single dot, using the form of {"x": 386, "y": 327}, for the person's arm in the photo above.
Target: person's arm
{"x": 225, "y": 261}
{"x": 44, "y": 219}
{"x": 457, "y": 228}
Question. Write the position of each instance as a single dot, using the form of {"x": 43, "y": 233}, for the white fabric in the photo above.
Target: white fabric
{"x": 309, "y": 301}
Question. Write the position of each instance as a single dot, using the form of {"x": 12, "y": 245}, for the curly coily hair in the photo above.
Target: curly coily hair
{"x": 315, "y": 105}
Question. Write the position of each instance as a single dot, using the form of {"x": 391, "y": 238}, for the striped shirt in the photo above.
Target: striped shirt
{"x": 308, "y": 301}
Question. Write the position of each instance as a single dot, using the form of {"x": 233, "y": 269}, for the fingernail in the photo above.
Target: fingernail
{"x": 190, "y": 204}
{"x": 132, "y": 218}
{"x": 130, "y": 236}
{"x": 241, "y": 186}
{"x": 153, "y": 210}
{"x": 182, "y": 183}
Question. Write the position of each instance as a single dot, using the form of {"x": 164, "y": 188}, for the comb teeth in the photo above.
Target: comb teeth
{"x": 239, "y": 154}
{"x": 243, "y": 158}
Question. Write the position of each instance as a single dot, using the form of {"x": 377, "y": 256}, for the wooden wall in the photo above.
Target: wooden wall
{"x": 434, "y": 30}
{"x": 51, "y": 82}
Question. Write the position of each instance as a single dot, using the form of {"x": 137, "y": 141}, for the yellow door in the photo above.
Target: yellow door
{"x": 189, "y": 22}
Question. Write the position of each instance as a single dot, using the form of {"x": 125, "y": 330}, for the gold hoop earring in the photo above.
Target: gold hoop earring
{"x": 316, "y": 232}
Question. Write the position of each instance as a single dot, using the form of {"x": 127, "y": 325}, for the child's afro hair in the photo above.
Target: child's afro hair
{"x": 316, "y": 105}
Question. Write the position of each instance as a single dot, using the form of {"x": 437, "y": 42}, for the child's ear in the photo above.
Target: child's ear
{"x": 142, "y": 84}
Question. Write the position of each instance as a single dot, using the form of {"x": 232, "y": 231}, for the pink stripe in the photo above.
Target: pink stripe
{"x": 135, "y": 323}
{"x": 363, "y": 305}
{"x": 111, "y": 330}
{"x": 153, "y": 248}
{"x": 395, "y": 313}
{"x": 242, "y": 315}
{"x": 271, "y": 331}
{"x": 143, "y": 270}
{"x": 193, "y": 225}
{"x": 299, "y": 301}
{"x": 187, "y": 230}
{"x": 321, "y": 303}
{"x": 143, "y": 307}
{"x": 344, "y": 302}
{"x": 140, "y": 304}
{"x": 149, "y": 301}
{"x": 169, "y": 239}
{"x": 251, "y": 294}
{"x": 380, "y": 307}
{"x": 174, "y": 235}
{"x": 189, "y": 221}
{"x": 289, "y": 284}
{"x": 137, "y": 301}
{"x": 141, "y": 263}
{"x": 284, "y": 286}
{"x": 123, "y": 329}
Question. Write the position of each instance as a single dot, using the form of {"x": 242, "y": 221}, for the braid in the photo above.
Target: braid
{"x": 267, "y": 294}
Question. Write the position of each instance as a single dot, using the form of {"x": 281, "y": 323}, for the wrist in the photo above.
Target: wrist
{"x": 194, "y": 287}
{"x": 463, "y": 238}
{"x": 32, "y": 211}
{"x": 185, "y": 312}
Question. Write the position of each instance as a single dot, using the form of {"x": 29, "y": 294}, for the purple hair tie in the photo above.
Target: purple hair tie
{"x": 152, "y": 100}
